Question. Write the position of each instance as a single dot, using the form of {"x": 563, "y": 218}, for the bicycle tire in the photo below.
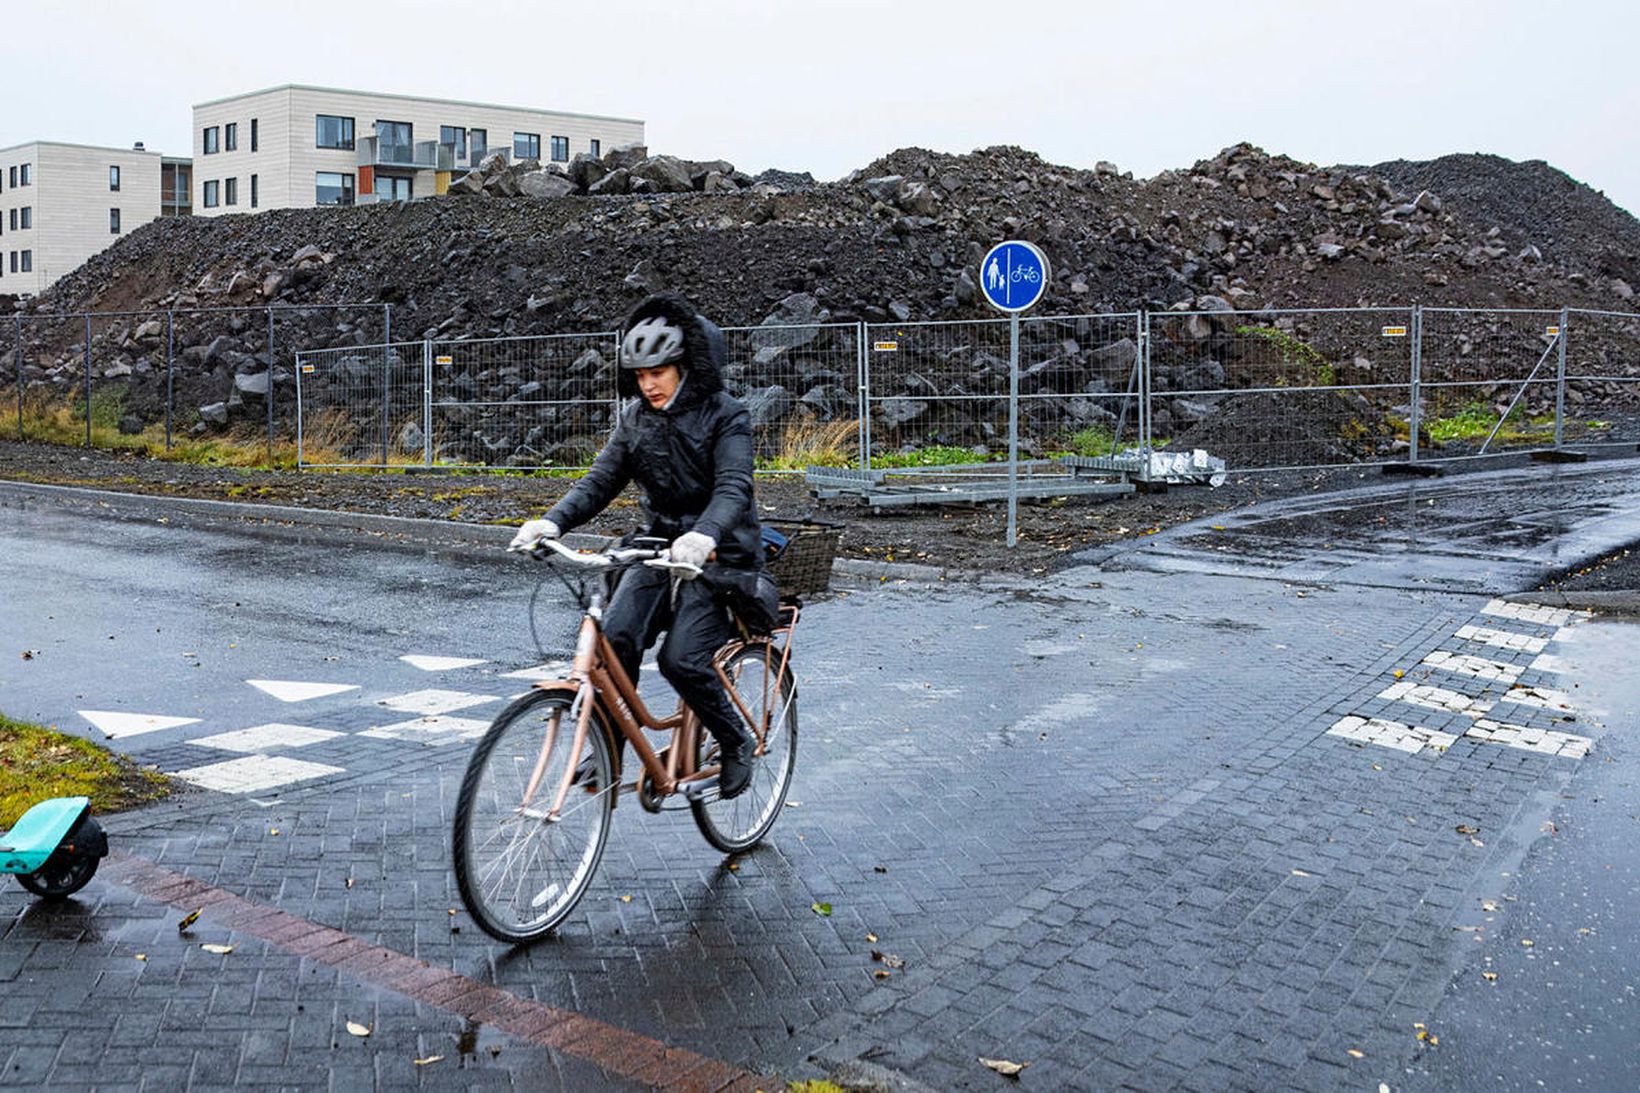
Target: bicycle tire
{"x": 741, "y": 823}
{"x": 519, "y": 875}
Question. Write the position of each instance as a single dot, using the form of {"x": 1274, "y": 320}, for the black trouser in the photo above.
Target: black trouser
{"x": 696, "y": 628}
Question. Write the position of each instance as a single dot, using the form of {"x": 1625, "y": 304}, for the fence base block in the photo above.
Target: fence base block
{"x": 1417, "y": 470}
{"x": 1560, "y": 455}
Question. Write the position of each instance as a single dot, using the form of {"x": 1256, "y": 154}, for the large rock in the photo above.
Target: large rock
{"x": 616, "y": 182}
{"x": 546, "y": 184}
{"x": 793, "y": 323}
{"x": 215, "y": 413}
{"x": 885, "y": 188}
{"x": 896, "y": 412}
{"x": 626, "y": 156}
{"x": 586, "y": 169}
{"x": 916, "y": 198}
{"x": 767, "y": 405}
{"x": 470, "y": 183}
{"x": 665, "y": 174}
{"x": 252, "y": 387}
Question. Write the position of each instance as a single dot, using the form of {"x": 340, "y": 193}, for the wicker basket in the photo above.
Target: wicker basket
{"x": 803, "y": 568}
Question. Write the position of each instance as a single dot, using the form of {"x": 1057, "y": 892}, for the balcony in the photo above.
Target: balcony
{"x": 422, "y": 155}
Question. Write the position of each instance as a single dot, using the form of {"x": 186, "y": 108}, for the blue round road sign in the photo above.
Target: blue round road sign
{"x": 1014, "y": 275}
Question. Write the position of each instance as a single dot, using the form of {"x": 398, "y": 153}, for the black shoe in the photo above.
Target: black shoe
{"x": 735, "y": 763}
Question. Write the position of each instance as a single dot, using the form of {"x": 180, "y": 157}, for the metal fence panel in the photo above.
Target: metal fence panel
{"x": 1078, "y": 384}
{"x": 360, "y": 406}
{"x": 535, "y": 402}
{"x": 1489, "y": 379}
{"x": 1602, "y": 389}
{"x": 931, "y": 388}
{"x": 800, "y": 383}
{"x": 1282, "y": 389}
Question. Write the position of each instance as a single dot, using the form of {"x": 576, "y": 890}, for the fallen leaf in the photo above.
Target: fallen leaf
{"x": 1377, "y": 766}
{"x": 219, "y": 950}
{"x": 888, "y": 959}
{"x": 794, "y": 804}
{"x": 1490, "y": 977}
{"x": 30, "y": 654}
{"x": 350, "y": 882}
{"x": 1300, "y": 873}
{"x": 142, "y": 956}
{"x": 879, "y": 869}
{"x": 1526, "y": 942}
{"x": 189, "y": 919}
{"x": 734, "y": 867}
{"x": 626, "y": 899}
{"x": 871, "y": 937}
{"x": 1003, "y": 1066}
{"x": 1354, "y": 1054}
{"x": 273, "y": 831}
{"x": 1475, "y": 842}
{"x": 429, "y": 1061}
{"x": 879, "y": 974}
{"x": 1468, "y": 829}
{"x": 357, "y": 1029}
{"x": 1549, "y": 827}
{"x": 1399, "y": 673}
{"x": 821, "y": 909}
{"x": 1489, "y": 905}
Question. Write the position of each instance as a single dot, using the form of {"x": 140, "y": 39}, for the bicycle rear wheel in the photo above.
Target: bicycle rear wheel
{"x": 742, "y": 822}
{"x": 519, "y": 873}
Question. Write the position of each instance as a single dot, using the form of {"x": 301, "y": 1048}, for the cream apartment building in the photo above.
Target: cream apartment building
{"x": 295, "y": 146}
{"x": 61, "y": 203}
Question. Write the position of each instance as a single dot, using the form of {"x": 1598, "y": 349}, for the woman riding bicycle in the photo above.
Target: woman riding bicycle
{"x": 688, "y": 443}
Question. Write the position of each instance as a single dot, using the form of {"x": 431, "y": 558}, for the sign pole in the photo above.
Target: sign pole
{"x": 1013, "y": 429}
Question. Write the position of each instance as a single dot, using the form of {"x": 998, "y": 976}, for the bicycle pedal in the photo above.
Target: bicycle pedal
{"x": 705, "y": 791}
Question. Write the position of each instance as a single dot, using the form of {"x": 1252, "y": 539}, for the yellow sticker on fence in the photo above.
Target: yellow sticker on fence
{"x": 1395, "y": 331}
{"x": 444, "y": 360}
{"x": 885, "y": 347}
{"x": 307, "y": 369}
{"x": 1551, "y": 331}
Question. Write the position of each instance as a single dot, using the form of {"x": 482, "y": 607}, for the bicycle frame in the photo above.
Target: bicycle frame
{"x": 602, "y": 686}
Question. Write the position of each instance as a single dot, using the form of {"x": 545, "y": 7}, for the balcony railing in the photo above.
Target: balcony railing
{"x": 421, "y": 155}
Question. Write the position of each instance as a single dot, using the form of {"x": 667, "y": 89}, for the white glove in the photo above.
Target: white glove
{"x": 533, "y": 532}
{"x": 692, "y": 547}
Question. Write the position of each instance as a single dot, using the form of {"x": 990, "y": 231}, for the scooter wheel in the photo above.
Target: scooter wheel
{"x": 66, "y": 871}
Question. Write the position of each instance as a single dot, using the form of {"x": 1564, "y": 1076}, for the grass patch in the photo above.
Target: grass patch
{"x": 1293, "y": 351}
{"x": 935, "y": 455}
{"x": 1094, "y": 440}
{"x": 805, "y": 443}
{"x": 1475, "y": 421}
{"x": 37, "y": 763}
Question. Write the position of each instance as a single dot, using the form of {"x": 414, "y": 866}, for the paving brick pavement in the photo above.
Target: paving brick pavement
{"x": 1099, "y": 817}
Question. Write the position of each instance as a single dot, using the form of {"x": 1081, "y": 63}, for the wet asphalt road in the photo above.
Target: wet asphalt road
{"x": 1104, "y": 702}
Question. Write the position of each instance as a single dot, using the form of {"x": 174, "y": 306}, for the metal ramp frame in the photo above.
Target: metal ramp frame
{"x": 1070, "y": 476}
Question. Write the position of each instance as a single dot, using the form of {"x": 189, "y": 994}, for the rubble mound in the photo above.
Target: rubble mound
{"x": 1293, "y": 428}
{"x": 527, "y": 249}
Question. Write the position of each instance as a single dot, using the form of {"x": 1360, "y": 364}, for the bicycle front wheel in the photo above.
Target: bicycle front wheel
{"x": 521, "y": 871}
{"x": 741, "y": 823}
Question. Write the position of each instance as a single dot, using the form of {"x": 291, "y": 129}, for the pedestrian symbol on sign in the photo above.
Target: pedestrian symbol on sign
{"x": 993, "y": 275}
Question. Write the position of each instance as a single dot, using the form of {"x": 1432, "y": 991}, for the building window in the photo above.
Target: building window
{"x": 393, "y": 189}
{"x": 113, "y": 178}
{"x": 113, "y": 221}
{"x": 211, "y": 139}
{"x": 253, "y": 190}
{"x": 14, "y": 178}
{"x": 253, "y": 134}
{"x": 395, "y": 142}
{"x": 454, "y": 136}
{"x": 479, "y": 141}
{"x": 560, "y": 149}
{"x": 230, "y": 137}
{"x": 211, "y": 189}
{"x": 230, "y": 192}
{"x": 28, "y": 217}
{"x": 594, "y": 146}
{"x": 333, "y": 132}
{"x": 526, "y": 145}
{"x": 14, "y": 261}
{"x": 14, "y": 220}
{"x": 28, "y": 261}
{"x": 27, "y": 175}
{"x": 333, "y": 188}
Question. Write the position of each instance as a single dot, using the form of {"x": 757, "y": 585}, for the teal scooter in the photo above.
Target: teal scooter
{"x": 54, "y": 847}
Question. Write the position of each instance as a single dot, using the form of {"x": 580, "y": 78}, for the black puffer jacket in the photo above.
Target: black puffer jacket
{"x": 692, "y": 459}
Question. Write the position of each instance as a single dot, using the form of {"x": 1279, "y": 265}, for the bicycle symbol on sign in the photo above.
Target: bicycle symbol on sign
{"x": 1027, "y": 273}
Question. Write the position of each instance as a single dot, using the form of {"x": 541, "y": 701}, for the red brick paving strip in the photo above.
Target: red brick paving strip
{"x": 615, "y": 1050}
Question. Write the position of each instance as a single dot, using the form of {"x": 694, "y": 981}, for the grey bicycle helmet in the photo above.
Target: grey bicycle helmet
{"x": 651, "y": 343}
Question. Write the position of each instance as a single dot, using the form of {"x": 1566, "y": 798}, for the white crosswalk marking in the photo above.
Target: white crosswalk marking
{"x": 1533, "y": 612}
{"x": 254, "y": 773}
{"x": 439, "y": 664}
{"x": 1544, "y": 741}
{"x": 430, "y": 730}
{"x": 1548, "y": 662}
{"x": 1435, "y": 698}
{"x": 1545, "y": 698}
{"x": 435, "y": 701}
{"x": 552, "y": 669}
{"x": 262, "y": 738}
{"x": 1503, "y": 639}
{"x": 1391, "y": 734}
{"x": 1479, "y": 667}
{"x": 295, "y": 690}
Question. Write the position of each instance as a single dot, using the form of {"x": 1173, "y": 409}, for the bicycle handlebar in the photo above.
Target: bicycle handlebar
{"x": 605, "y": 559}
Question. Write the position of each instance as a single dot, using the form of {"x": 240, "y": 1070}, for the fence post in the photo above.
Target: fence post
{"x": 1415, "y": 384}
{"x": 427, "y": 404}
{"x": 863, "y": 396}
{"x": 270, "y": 387}
{"x": 387, "y": 375}
{"x": 1013, "y": 428}
{"x": 170, "y": 382}
{"x": 387, "y": 324}
{"x": 1560, "y": 380}
{"x": 1144, "y": 395}
{"x": 88, "y": 379}
{"x": 298, "y": 365}
{"x": 17, "y": 354}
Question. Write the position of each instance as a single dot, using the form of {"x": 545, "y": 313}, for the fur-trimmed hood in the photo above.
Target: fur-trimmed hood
{"x": 705, "y": 350}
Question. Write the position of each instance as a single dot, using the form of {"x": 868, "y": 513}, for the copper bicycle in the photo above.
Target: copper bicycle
{"x": 536, "y": 802}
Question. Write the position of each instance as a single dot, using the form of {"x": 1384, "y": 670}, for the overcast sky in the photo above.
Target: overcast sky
{"x": 828, "y": 85}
